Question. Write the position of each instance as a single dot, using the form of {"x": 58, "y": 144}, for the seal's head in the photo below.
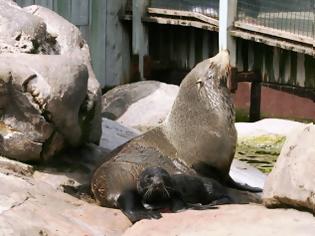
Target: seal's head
{"x": 154, "y": 184}
{"x": 217, "y": 69}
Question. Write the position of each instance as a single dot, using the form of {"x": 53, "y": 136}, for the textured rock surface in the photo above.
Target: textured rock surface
{"x": 236, "y": 220}
{"x": 41, "y": 111}
{"x": 47, "y": 101}
{"x": 73, "y": 44}
{"x": 115, "y": 134}
{"x": 140, "y": 105}
{"x": 33, "y": 200}
{"x": 30, "y": 206}
{"x": 20, "y": 31}
{"x": 292, "y": 180}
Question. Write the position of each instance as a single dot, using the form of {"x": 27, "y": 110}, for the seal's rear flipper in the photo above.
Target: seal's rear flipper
{"x": 245, "y": 187}
{"x": 130, "y": 204}
{"x": 213, "y": 205}
{"x": 210, "y": 172}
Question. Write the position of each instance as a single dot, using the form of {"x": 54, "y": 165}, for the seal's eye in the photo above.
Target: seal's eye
{"x": 200, "y": 84}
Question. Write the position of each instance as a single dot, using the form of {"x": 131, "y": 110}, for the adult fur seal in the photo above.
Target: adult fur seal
{"x": 157, "y": 191}
{"x": 197, "y": 138}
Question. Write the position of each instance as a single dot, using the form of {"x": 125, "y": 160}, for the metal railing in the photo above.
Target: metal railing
{"x": 208, "y": 8}
{"x": 295, "y": 17}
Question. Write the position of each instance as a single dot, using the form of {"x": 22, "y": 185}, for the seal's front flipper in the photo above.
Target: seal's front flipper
{"x": 130, "y": 203}
{"x": 223, "y": 200}
{"x": 198, "y": 206}
{"x": 177, "y": 204}
{"x": 137, "y": 215}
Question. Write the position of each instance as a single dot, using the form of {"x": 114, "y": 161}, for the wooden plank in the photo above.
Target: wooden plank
{"x": 169, "y": 21}
{"x": 296, "y": 90}
{"x": 85, "y": 32}
{"x": 196, "y": 15}
{"x": 192, "y": 51}
{"x": 117, "y": 46}
{"x": 80, "y": 12}
{"x": 63, "y": 8}
{"x": 205, "y": 45}
{"x": 97, "y": 39}
{"x": 275, "y": 42}
{"x": 45, "y": 3}
{"x": 274, "y": 32}
{"x": 24, "y": 3}
{"x": 248, "y": 76}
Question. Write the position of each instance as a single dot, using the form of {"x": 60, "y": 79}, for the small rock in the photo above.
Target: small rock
{"x": 114, "y": 134}
{"x": 140, "y": 105}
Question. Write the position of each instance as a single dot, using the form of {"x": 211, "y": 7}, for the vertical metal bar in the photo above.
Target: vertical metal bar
{"x": 227, "y": 15}
{"x": 139, "y": 32}
{"x": 255, "y": 98}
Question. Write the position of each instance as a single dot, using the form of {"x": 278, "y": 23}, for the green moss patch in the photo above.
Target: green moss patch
{"x": 260, "y": 151}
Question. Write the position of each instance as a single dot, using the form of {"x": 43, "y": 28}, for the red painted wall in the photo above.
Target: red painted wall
{"x": 276, "y": 103}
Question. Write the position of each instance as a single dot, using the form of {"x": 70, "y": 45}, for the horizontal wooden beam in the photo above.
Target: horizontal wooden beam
{"x": 298, "y": 91}
{"x": 274, "y": 32}
{"x": 248, "y": 76}
{"x": 181, "y": 22}
{"x": 274, "y": 41}
{"x": 177, "y": 13}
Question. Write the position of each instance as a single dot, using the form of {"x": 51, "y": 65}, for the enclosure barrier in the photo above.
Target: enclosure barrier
{"x": 289, "y": 19}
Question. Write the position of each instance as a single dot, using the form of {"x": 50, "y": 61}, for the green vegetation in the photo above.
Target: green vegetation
{"x": 261, "y": 151}
{"x": 241, "y": 115}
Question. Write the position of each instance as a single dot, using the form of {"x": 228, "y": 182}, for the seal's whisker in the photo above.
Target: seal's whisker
{"x": 148, "y": 193}
{"x": 167, "y": 193}
{"x": 170, "y": 188}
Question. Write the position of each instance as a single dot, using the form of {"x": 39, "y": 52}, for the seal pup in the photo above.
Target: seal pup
{"x": 197, "y": 138}
{"x": 158, "y": 191}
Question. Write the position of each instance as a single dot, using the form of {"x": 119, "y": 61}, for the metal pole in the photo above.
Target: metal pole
{"x": 227, "y": 15}
{"x": 139, "y": 33}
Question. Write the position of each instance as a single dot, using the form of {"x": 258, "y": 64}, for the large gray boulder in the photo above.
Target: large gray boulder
{"x": 292, "y": 181}
{"x": 41, "y": 111}
{"x": 50, "y": 98}
{"x": 141, "y": 105}
{"x": 73, "y": 45}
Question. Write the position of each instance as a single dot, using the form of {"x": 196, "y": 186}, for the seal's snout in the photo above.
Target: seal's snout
{"x": 220, "y": 65}
{"x": 157, "y": 182}
{"x": 222, "y": 61}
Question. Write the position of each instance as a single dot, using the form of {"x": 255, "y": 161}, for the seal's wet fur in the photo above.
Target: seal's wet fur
{"x": 197, "y": 138}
